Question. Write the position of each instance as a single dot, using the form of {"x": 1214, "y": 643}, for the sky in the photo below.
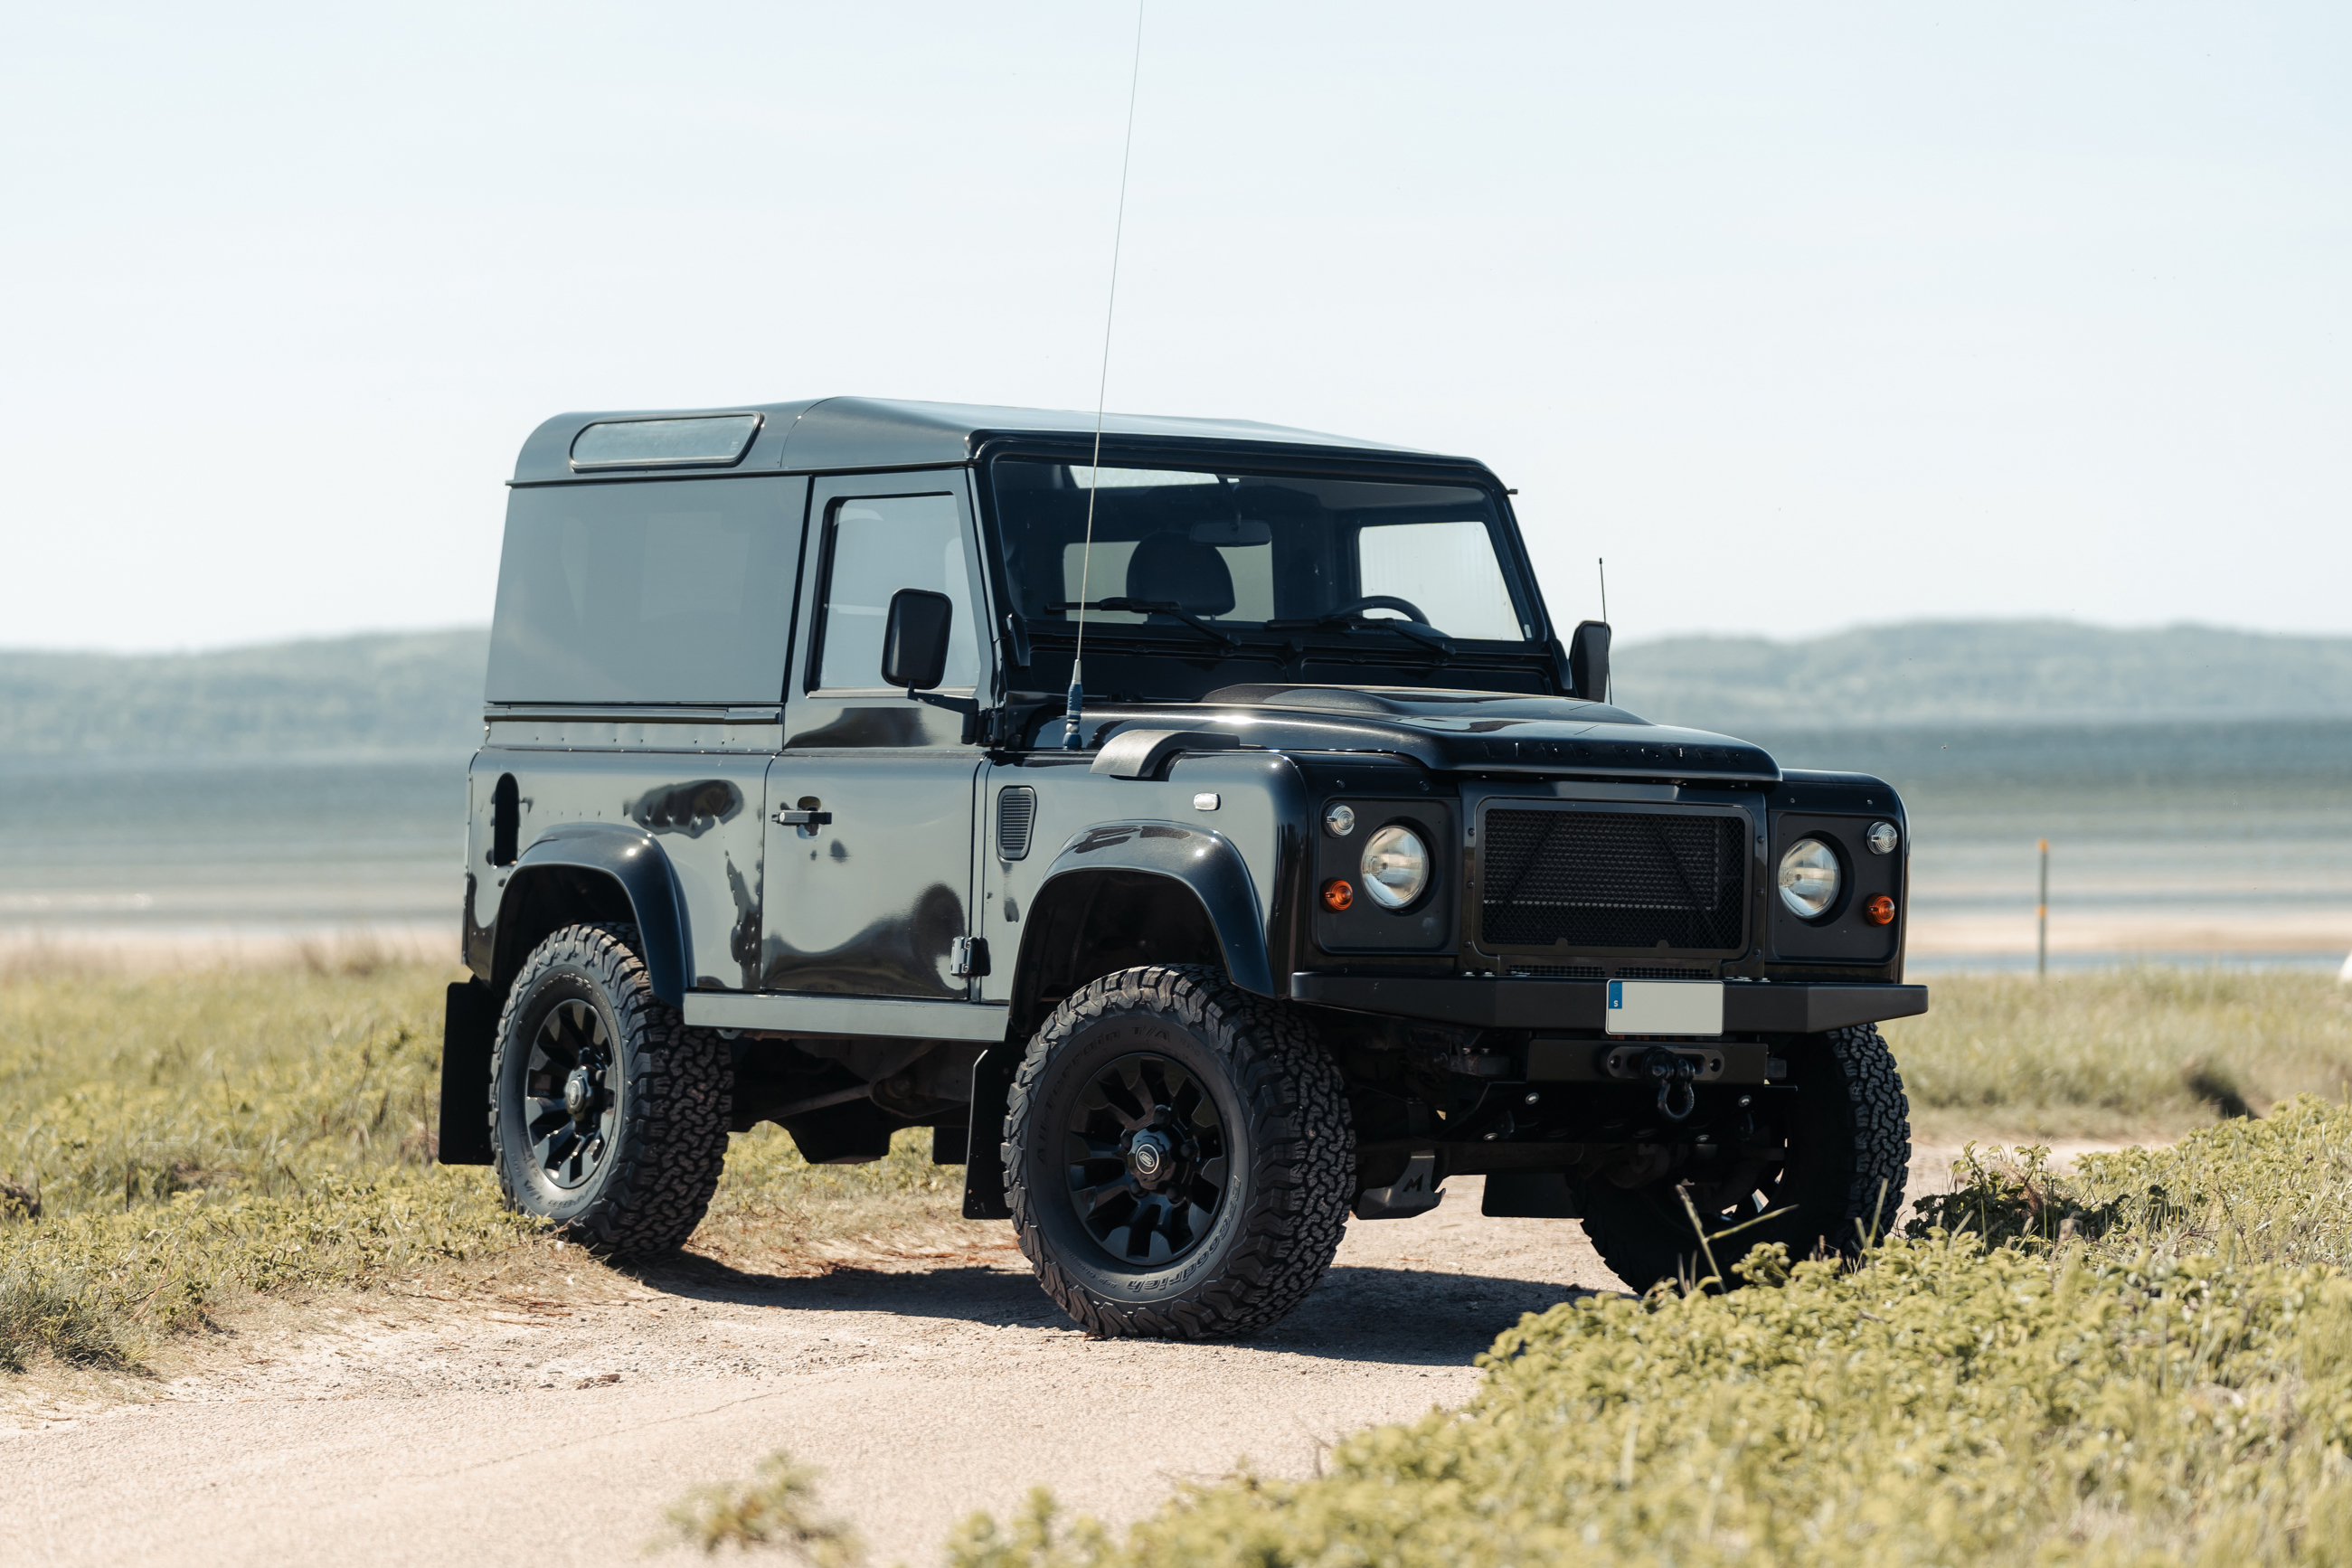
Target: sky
{"x": 1804, "y": 316}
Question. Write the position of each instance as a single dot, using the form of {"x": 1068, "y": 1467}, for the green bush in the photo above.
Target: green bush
{"x": 2177, "y": 1388}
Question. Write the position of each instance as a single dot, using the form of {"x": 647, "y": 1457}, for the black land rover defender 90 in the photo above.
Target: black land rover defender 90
{"x": 1348, "y": 880}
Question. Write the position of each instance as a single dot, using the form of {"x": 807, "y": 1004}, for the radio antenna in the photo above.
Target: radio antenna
{"x": 1074, "y": 707}
{"x": 1609, "y": 681}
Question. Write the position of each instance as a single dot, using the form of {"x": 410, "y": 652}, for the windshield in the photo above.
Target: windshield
{"x": 1214, "y": 553}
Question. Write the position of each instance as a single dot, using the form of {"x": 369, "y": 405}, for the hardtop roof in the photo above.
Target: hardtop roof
{"x": 829, "y": 435}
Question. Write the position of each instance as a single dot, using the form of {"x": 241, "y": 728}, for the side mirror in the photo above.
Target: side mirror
{"x": 915, "y": 640}
{"x": 1588, "y": 661}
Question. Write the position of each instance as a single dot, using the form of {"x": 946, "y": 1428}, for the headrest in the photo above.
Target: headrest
{"x": 1171, "y": 566}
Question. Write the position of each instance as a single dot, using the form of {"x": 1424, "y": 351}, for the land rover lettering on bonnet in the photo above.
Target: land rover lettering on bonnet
{"x": 1345, "y": 880}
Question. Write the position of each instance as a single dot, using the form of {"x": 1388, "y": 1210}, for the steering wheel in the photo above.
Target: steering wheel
{"x": 1377, "y": 602}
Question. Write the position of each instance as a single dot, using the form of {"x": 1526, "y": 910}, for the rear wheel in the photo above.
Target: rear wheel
{"x": 1178, "y": 1156}
{"x": 1841, "y": 1174}
{"x": 607, "y": 1113}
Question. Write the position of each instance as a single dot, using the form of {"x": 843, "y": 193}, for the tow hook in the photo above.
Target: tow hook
{"x": 1671, "y": 1072}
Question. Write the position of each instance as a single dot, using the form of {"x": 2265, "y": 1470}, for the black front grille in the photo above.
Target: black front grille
{"x": 1613, "y": 878}
{"x": 1558, "y": 972}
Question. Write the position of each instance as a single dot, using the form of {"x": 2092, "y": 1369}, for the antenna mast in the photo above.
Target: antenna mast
{"x": 1074, "y": 707}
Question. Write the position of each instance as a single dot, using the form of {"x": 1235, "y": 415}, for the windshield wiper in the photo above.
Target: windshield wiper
{"x": 1151, "y": 608}
{"x": 1428, "y": 637}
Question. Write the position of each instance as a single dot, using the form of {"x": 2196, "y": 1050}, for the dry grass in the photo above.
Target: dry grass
{"x": 2132, "y": 1052}
{"x": 169, "y": 1142}
{"x": 182, "y": 1141}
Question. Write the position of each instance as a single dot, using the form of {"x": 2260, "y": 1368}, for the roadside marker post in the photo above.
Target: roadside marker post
{"x": 2042, "y": 917}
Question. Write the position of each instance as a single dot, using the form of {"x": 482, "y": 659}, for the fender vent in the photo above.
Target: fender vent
{"x": 1017, "y": 814}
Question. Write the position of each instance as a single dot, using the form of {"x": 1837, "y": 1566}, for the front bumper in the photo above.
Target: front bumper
{"x": 1759, "y": 1008}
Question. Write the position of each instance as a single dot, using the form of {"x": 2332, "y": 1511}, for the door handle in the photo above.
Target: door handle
{"x": 791, "y": 818}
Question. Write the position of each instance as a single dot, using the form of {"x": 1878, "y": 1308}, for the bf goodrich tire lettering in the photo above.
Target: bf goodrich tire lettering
{"x": 1274, "y": 1105}
{"x": 1849, "y": 1156}
{"x": 643, "y": 1154}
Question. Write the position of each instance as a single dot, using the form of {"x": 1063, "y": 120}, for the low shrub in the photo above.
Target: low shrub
{"x": 776, "y": 1509}
{"x": 2170, "y": 1384}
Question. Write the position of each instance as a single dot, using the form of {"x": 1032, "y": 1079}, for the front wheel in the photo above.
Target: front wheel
{"x": 1841, "y": 1175}
{"x": 607, "y": 1113}
{"x": 1178, "y": 1156}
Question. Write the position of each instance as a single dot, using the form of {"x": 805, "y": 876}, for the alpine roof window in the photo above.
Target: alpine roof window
{"x": 703, "y": 441}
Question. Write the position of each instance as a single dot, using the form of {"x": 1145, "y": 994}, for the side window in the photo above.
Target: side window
{"x": 874, "y": 547}
{"x": 1445, "y": 570}
{"x": 676, "y": 591}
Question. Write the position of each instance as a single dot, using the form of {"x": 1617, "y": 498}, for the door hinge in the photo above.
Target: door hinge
{"x": 968, "y": 958}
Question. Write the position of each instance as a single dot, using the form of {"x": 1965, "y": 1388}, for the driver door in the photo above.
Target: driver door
{"x": 870, "y": 870}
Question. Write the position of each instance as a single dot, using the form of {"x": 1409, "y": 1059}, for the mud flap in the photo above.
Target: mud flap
{"x": 1530, "y": 1195}
{"x": 983, "y": 1170}
{"x": 469, "y": 1026}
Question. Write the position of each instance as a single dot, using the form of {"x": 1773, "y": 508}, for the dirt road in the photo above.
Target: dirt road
{"x": 926, "y": 1387}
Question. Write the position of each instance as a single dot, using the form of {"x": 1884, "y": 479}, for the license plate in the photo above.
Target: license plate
{"x": 1665, "y": 1008}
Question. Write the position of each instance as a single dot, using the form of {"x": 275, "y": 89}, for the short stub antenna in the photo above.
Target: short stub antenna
{"x": 1074, "y": 709}
{"x": 1602, "y": 562}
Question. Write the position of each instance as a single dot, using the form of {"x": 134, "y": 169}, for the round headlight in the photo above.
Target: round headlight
{"x": 1808, "y": 878}
{"x": 1339, "y": 821}
{"x": 1396, "y": 867}
{"x": 1882, "y": 838}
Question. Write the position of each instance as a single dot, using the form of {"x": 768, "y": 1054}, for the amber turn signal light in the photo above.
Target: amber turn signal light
{"x": 1879, "y": 910}
{"x": 1338, "y": 894}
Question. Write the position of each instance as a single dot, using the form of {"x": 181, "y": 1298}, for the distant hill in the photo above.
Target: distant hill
{"x": 422, "y": 690}
{"x": 401, "y": 692}
{"x": 1974, "y": 672}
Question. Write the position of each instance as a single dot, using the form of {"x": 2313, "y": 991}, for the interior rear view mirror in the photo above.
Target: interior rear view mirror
{"x": 1233, "y": 531}
{"x": 915, "y": 641}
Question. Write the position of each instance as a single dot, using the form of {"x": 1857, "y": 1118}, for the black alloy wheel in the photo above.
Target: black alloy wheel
{"x": 607, "y": 1114}
{"x": 1178, "y": 1156}
{"x": 572, "y": 1095}
{"x": 1147, "y": 1159}
{"x": 1838, "y": 1179}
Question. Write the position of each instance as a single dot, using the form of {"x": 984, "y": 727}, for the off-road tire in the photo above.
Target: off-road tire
{"x": 1289, "y": 1180}
{"x": 1849, "y": 1155}
{"x": 669, "y": 1139}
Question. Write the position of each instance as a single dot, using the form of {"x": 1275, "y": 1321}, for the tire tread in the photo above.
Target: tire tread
{"x": 673, "y": 1141}
{"x": 1301, "y": 1135}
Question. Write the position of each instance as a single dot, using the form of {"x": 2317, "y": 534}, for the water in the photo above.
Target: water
{"x": 2170, "y": 842}
{"x": 190, "y": 848}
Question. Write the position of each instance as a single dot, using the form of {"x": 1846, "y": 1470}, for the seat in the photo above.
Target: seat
{"x": 1176, "y": 568}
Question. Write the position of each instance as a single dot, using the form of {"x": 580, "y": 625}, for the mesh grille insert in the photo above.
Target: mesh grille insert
{"x": 1613, "y": 879}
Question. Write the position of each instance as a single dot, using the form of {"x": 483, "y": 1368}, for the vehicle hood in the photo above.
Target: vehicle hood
{"x": 1480, "y": 731}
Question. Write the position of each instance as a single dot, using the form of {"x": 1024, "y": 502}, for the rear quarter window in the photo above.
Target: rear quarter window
{"x": 660, "y": 592}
